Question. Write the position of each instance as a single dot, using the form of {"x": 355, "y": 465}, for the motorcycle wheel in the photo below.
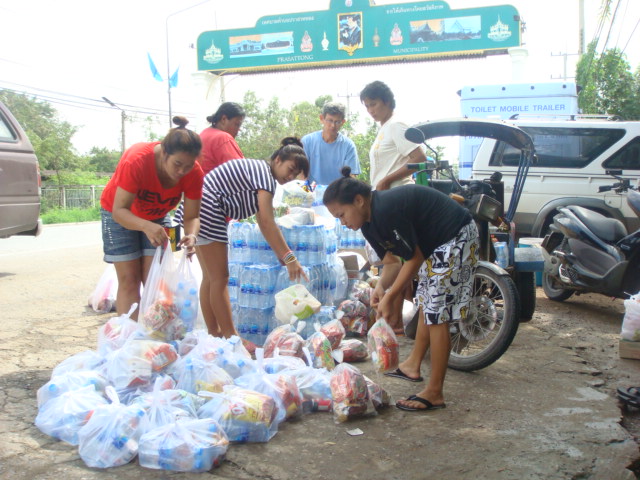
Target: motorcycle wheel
{"x": 553, "y": 290}
{"x": 490, "y": 325}
{"x": 526, "y": 283}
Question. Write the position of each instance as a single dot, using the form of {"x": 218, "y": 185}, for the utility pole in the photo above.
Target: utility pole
{"x": 123, "y": 116}
{"x": 348, "y": 96}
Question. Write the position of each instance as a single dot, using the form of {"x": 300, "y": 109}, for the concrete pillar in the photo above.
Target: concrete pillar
{"x": 519, "y": 65}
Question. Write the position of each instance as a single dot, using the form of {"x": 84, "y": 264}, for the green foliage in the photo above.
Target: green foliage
{"x": 363, "y": 143}
{"x": 72, "y": 215}
{"x": 101, "y": 159}
{"x": 77, "y": 177}
{"x": 50, "y": 136}
{"x": 608, "y": 85}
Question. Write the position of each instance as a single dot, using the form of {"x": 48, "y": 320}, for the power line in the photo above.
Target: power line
{"x": 81, "y": 102}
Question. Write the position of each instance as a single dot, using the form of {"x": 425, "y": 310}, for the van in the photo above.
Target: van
{"x": 573, "y": 155}
{"x": 19, "y": 180}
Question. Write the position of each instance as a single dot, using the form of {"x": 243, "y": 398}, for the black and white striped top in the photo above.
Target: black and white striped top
{"x": 233, "y": 187}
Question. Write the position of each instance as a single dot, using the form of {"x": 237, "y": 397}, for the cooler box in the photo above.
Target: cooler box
{"x": 529, "y": 242}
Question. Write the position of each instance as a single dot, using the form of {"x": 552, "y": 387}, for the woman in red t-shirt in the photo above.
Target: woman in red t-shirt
{"x": 148, "y": 183}
{"x": 218, "y": 140}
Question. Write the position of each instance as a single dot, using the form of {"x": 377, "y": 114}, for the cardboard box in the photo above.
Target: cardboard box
{"x": 629, "y": 349}
{"x": 353, "y": 264}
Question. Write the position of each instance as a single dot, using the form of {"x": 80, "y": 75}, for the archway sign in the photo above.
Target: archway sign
{"x": 355, "y": 32}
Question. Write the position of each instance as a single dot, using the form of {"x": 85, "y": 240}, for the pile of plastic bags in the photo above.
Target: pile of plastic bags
{"x": 177, "y": 403}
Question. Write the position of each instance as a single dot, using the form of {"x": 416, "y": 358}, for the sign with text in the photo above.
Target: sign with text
{"x": 354, "y": 32}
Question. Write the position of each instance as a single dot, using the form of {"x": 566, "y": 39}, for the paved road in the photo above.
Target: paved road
{"x": 545, "y": 410}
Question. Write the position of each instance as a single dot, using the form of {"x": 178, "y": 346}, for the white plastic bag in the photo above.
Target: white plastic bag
{"x": 103, "y": 298}
{"x": 113, "y": 334}
{"x": 295, "y": 194}
{"x": 110, "y": 437}
{"x": 295, "y": 303}
{"x": 631, "y": 321}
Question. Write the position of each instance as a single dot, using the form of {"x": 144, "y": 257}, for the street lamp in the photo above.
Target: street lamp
{"x": 123, "y": 116}
{"x": 166, "y": 31}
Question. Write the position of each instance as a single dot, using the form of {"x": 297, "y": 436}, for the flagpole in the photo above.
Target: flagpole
{"x": 166, "y": 29}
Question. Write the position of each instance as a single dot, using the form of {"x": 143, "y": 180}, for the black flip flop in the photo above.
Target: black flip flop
{"x": 629, "y": 396}
{"x": 428, "y": 405}
{"x": 397, "y": 373}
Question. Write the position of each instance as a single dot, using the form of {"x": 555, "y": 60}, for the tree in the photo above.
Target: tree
{"x": 363, "y": 143}
{"x": 101, "y": 159}
{"x": 50, "y": 136}
{"x": 608, "y": 86}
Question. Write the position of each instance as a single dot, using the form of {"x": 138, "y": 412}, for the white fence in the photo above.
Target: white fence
{"x": 71, "y": 196}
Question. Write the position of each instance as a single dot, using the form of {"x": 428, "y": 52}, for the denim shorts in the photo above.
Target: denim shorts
{"x": 121, "y": 244}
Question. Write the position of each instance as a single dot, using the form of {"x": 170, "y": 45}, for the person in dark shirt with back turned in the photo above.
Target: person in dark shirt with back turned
{"x": 438, "y": 240}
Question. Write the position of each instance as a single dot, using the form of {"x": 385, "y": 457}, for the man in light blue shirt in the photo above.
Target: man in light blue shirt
{"x": 328, "y": 150}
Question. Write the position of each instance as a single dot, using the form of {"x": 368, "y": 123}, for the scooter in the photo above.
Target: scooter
{"x": 586, "y": 252}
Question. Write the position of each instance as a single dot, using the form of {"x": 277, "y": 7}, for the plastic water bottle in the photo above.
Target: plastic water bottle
{"x": 302, "y": 244}
{"x": 235, "y": 242}
{"x": 188, "y": 314}
{"x": 502, "y": 255}
{"x": 252, "y": 243}
{"x": 246, "y": 287}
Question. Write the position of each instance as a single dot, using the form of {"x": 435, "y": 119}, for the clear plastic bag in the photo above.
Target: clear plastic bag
{"x": 137, "y": 362}
{"x": 103, "y": 298}
{"x": 314, "y": 387}
{"x": 110, "y": 437}
{"x": 350, "y": 393}
{"x": 186, "y": 293}
{"x": 335, "y": 332}
{"x": 159, "y": 313}
{"x": 194, "y": 375}
{"x": 353, "y": 350}
{"x": 320, "y": 348}
{"x": 87, "y": 360}
{"x": 113, "y": 334}
{"x": 383, "y": 346}
{"x": 296, "y": 194}
{"x": 63, "y": 416}
{"x": 69, "y": 381}
{"x": 245, "y": 415}
{"x": 286, "y": 340}
{"x": 188, "y": 445}
{"x": 631, "y": 321}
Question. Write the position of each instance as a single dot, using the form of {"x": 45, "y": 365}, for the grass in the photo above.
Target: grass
{"x": 71, "y": 215}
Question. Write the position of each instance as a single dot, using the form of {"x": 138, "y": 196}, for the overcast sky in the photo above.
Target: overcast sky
{"x": 77, "y": 51}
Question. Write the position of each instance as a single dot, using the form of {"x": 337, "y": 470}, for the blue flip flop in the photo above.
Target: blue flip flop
{"x": 428, "y": 405}
{"x": 397, "y": 373}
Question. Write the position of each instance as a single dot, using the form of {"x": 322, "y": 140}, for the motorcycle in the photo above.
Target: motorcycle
{"x": 586, "y": 252}
{"x": 497, "y": 298}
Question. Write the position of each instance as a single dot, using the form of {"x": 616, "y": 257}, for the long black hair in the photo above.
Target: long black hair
{"x": 227, "y": 109}
{"x": 345, "y": 189}
{"x": 291, "y": 149}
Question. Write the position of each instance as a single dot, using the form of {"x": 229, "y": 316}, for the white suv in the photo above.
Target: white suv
{"x": 572, "y": 158}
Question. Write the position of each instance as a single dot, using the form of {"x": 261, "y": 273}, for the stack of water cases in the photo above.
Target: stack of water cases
{"x": 256, "y": 275}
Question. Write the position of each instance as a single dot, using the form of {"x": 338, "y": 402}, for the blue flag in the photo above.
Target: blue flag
{"x": 173, "y": 81}
{"x": 154, "y": 70}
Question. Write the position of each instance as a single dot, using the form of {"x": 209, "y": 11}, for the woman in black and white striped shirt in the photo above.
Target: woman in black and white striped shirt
{"x": 238, "y": 189}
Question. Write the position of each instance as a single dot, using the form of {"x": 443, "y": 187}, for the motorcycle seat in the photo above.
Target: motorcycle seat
{"x": 608, "y": 229}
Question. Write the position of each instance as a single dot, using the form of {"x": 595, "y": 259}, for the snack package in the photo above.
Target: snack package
{"x": 351, "y": 310}
{"x": 70, "y": 381}
{"x": 295, "y": 302}
{"x": 350, "y": 393}
{"x": 286, "y": 340}
{"x": 113, "y": 334}
{"x": 159, "y": 313}
{"x": 194, "y": 375}
{"x": 353, "y": 350}
{"x": 378, "y": 395}
{"x": 63, "y": 416}
{"x": 245, "y": 415}
{"x": 361, "y": 291}
{"x": 320, "y": 348}
{"x": 187, "y": 445}
{"x": 383, "y": 346}
{"x": 103, "y": 298}
{"x": 335, "y": 332}
{"x": 110, "y": 437}
{"x": 137, "y": 361}
{"x": 279, "y": 386}
{"x": 297, "y": 194}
